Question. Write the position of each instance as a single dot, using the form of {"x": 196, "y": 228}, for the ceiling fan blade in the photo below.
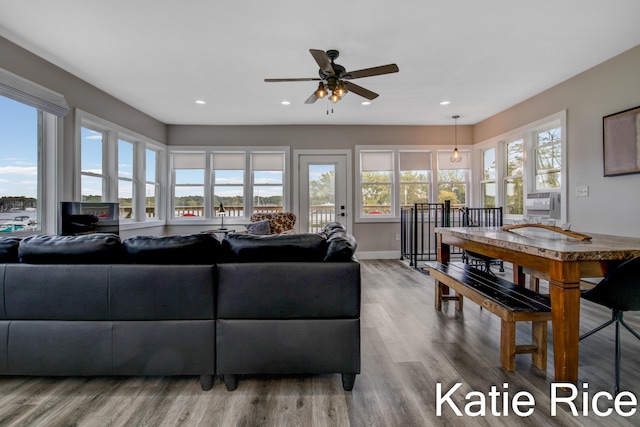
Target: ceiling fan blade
{"x": 310, "y": 79}
{"x": 313, "y": 98}
{"x": 375, "y": 71}
{"x": 359, "y": 90}
{"x": 323, "y": 61}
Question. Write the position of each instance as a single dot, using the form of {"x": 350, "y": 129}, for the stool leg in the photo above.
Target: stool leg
{"x": 616, "y": 390}
{"x": 539, "y": 335}
{"x": 508, "y": 345}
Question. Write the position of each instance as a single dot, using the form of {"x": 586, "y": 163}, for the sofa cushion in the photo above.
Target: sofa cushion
{"x": 201, "y": 248}
{"x": 259, "y": 228}
{"x": 274, "y": 248}
{"x": 99, "y": 248}
{"x": 341, "y": 246}
{"x": 9, "y": 249}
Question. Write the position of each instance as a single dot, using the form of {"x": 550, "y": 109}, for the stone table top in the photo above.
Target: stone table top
{"x": 550, "y": 244}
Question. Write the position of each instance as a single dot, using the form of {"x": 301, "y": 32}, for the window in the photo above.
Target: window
{"x": 391, "y": 179}
{"x": 228, "y": 183}
{"x": 119, "y": 165}
{"x": 188, "y": 185}
{"x": 20, "y": 130}
{"x": 244, "y": 182}
{"x": 453, "y": 178}
{"x": 548, "y": 160}
{"x": 376, "y": 180}
{"x": 92, "y": 180}
{"x": 516, "y": 165}
{"x": 152, "y": 183}
{"x": 488, "y": 182}
{"x": 513, "y": 181}
{"x": 29, "y": 119}
{"x": 414, "y": 177}
{"x": 126, "y": 182}
{"x": 268, "y": 173}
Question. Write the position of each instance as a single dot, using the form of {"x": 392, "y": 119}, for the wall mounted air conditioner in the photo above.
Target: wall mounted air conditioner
{"x": 544, "y": 205}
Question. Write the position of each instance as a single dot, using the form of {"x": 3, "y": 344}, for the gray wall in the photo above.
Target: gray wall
{"x": 613, "y": 204}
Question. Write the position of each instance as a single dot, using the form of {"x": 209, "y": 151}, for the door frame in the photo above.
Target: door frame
{"x": 348, "y": 179}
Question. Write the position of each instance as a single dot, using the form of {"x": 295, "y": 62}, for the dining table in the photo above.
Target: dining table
{"x": 562, "y": 258}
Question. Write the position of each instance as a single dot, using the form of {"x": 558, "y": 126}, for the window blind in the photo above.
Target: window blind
{"x": 188, "y": 161}
{"x": 415, "y": 160}
{"x": 376, "y": 161}
{"x": 229, "y": 161}
{"x": 267, "y": 161}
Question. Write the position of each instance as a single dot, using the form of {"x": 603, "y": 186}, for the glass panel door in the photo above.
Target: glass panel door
{"x": 322, "y": 191}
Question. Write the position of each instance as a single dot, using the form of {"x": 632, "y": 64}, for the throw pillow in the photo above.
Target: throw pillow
{"x": 260, "y": 228}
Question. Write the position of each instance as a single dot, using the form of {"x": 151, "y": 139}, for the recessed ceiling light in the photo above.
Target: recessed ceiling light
{"x": 285, "y": 102}
{"x": 200, "y": 101}
{"x": 445, "y": 103}
{"x": 365, "y": 103}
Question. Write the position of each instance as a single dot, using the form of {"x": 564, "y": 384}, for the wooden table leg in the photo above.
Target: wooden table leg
{"x": 564, "y": 288}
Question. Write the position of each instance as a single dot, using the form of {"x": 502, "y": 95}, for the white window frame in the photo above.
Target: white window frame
{"x": 467, "y": 158}
{"x": 156, "y": 183}
{"x": 484, "y": 180}
{"x": 113, "y": 133}
{"x": 48, "y": 163}
{"x": 527, "y": 132}
{"x": 395, "y": 179}
{"x": 209, "y": 217}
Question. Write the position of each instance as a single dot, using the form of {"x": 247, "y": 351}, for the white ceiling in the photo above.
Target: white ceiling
{"x": 161, "y": 55}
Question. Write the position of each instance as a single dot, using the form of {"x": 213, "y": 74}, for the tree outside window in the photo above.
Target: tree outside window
{"x": 514, "y": 189}
{"x": 548, "y": 159}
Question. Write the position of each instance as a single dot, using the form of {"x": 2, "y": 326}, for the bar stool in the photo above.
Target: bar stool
{"x": 620, "y": 291}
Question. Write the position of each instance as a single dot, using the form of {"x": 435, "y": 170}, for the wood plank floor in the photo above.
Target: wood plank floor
{"x": 407, "y": 349}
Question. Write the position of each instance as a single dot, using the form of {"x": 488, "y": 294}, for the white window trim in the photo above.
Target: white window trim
{"x": 526, "y": 132}
{"x": 141, "y": 142}
{"x": 395, "y": 178}
{"x": 209, "y": 218}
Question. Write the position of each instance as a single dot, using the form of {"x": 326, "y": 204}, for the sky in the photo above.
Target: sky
{"x": 18, "y": 149}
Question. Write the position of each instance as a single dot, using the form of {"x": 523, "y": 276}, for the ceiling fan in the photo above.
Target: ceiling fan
{"x": 335, "y": 78}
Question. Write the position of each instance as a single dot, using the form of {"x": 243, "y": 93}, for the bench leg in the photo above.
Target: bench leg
{"x": 459, "y": 301}
{"x": 442, "y": 293}
{"x": 508, "y": 345}
{"x": 438, "y": 300}
{"x": 539, "y": 336}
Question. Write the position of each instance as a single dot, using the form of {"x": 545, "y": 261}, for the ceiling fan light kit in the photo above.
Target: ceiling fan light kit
{"x": 335, "y": 78}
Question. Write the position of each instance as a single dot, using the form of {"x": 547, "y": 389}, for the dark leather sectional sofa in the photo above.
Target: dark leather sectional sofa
{"x": 181, "y": 305}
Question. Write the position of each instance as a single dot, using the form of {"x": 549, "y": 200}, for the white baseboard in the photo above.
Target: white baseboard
{"x": 378, "y": 255}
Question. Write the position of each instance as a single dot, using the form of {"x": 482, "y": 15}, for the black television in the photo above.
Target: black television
{"x": 88, "y": 217}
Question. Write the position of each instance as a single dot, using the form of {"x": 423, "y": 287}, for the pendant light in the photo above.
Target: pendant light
{"x": 455, "y": 156}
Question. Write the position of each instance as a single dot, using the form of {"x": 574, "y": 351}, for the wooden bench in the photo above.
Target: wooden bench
{"x": 508, "y": 301}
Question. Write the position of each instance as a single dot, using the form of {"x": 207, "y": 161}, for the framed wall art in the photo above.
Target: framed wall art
{"x": 621, "y": 142}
